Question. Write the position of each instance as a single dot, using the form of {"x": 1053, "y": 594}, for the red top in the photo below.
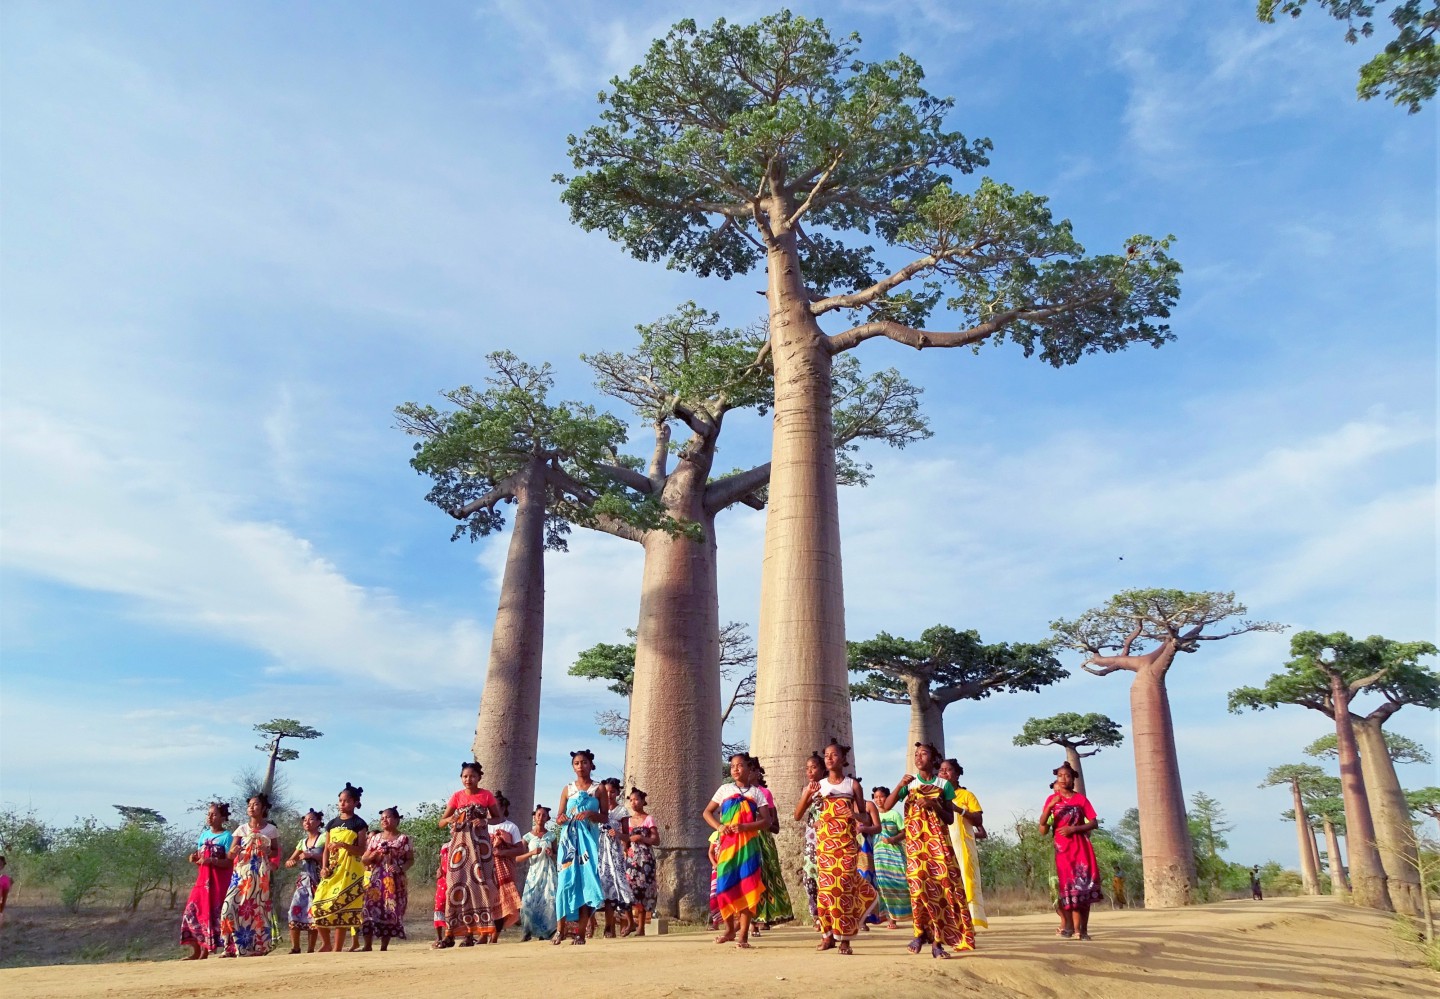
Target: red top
{"x": 482, "y": 797}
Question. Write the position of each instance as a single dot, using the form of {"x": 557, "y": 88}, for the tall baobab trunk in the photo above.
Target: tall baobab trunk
{"x": 927, "y": 720}
{"x": 1312, "y": 835}
{"x": 268, "y": 788}
{"x": 1309, "y": 860}
{"x": 1367, "y": 873}
{"x": 674, "y": 744}
{"x": 802, "y": 690}
{"x": 1167, "y": 854}
{"x": 508, "y": 726}
{"x": 1391, "y": 815}
{"x": 1339, "y": 884}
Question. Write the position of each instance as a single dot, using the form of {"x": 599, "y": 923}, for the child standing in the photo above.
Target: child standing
{"x": 388, "y": 855}
{"x": 307, "y": 857}
{"x": 340, "y": 895}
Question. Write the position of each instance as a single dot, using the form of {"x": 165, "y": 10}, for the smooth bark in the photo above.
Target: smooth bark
{"x": 927, "y": 718}
{"x": 1390, "y": 814}
{"x": 1167, "y": 855}
{"x": 802, "y": 698}
{"x": 1339, "y": 883}
{"x": 508, "y": 727}
{"x": 1072, "y": 757}
{"x": 1309, "y": 861}
{"x": 1367, "y": 873}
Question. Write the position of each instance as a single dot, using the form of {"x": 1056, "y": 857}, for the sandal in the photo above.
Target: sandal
{"x": 469, "y": 942}
{"x": 845, "y": 948}
{"x": 939, "y": 953}
{"x": 1084, "y": 936}
{"x": 826, "y": 942}
{"x": 442, "y": 944}
{"x": 1064, "y": 933}
{"x": 914, "y": 946}
{"x": 557, "y": 940}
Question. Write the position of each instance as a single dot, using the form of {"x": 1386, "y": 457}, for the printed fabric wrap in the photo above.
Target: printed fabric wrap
{"x": 739, "y": 884}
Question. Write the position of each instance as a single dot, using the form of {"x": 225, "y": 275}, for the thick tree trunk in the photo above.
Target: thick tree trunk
{"x": 927, "y": 721}
{"x": 674, "y": 745}
{"x": 1072, "y": 757}
{"x": 1394, "y": 835}
{"x": 508, "y": 726}
{"x": 1167, "y": 855}
{"x": 1367, "y": 873}
{"x": 1309, "y": 861}
{"x": 268, "y": 787}
{"x": 802, "y": 694}
{"x": 1313, "y": 836}
{"x": 1339, "y": 883}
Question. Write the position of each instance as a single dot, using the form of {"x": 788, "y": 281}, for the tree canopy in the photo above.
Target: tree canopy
{"x": 954, "y": 665}
{"x": 1376, "y": 664}
{"x": 1402, "y": 748}
{"x": 475, "y": 452}
{"x": 727, "y": 141}
{"x": 1408, "y": 68}
{"x": 1072, "y": 730}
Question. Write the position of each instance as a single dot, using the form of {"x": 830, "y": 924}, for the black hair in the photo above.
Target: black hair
{"x": 613, "y": 782}
{"x": 319, "y": 815}
{"x": 844, "y": 750}
{"x": 502, "y": 801}
{"x": 1066, "y": 766}
{"x": 353, "y": 791}
{"x": 644, "y": 798}
{"x": 264, "y": 800}
{"x": 880, "y": 789}
{"x": 223, "y": 807}
{"x": 539, "y": 809}
{"x": 585, "y": 753}
{"x": 395, "y": 809}
{"x": 472, "y": 765}
{"x": 959, "y": 770}
{"x": 817, "y": 758}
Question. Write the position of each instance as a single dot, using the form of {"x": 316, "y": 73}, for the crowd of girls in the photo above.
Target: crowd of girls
{"x": 906, "y": 853}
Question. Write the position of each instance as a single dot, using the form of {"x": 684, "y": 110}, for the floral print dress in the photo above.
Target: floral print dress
{"x": 386, "y": 892}
{"x": 245, "y": 918}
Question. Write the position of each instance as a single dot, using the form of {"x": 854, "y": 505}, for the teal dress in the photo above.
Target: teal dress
{"x": 577, "y": 856}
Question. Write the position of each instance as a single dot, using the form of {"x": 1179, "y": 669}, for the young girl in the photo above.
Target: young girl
{"x": 640, "y": 868}
{"x": 200, "y": 923}
{"x": 470, "y": 906}
{"x": 1074, "y": 819}
{"x": 968, "y": 827}
{"x": 937, "y": 895}
{"x": 388, "y": 855}
{"x": 868, "y": 825}
{"x": 890, "y": 859}
{"x": 844, "y": 898}
{"x": 577, "y": 886}
{"x": 506, "y": 844}
{"x": 611, "y": 866}
{"x": 254, "y": 852}
{"x": 814, "y": 770}
{"x": 775, "y": 904}
{"x": 442, "y": 938}
{"x": 307, "y": 857}
{"x": 537, "y": 904}
{"x": 737, "y": 812}
{"x": 340, "y": 895}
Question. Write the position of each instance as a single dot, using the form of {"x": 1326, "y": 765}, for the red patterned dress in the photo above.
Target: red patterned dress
{"x": 937, "y": 890}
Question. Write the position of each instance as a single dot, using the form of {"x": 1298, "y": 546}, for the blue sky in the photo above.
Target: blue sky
{"x": 234, "y": 237}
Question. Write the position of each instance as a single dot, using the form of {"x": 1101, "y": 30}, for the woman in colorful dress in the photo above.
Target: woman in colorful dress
{"x": 388, "y": 855}
{"x": 245, "y": 923}
{"x": 472, "y": 902}
{"x": 640, "y": 865}
{"x": 537, "y": 902}
{"x": 1074, "y": 819}
{"x": 577, "y": 851}
{"x": 775, "y": 907}
{"x": 968, "y": 827}
{"x": 613, "y": 836}
{"x": 937, "y": 893}
{"x": 506, "y": 844}
{"x": 339, "y": 901}
{"x": 868, "y": 826}
{"x": 737, "y": 812}
{"x": 200, "y": 923}
{"x": 814, "y": 770}
{"x": 307, "y": 857}
{"x": 890, "y": 859}
{"x": 843, "y": 897}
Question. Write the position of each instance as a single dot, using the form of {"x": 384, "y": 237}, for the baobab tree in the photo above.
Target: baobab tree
{"x": 1141, "y": 632}
{"x": 688, "y": 372}
{"x": 1426, "y": 801}
{"x": 769, "y": 145}
{"x": 278, "y": 729}
{"x": 1329, "y": 808}
{"x": 1406, "y": 681}
{"x": 1325, "y": 673}
{"x": 1302, "y": 779}
{"x": 1072, "y": 732}
{"x": 944, "y": 666}
{"x": 508, "y": 444}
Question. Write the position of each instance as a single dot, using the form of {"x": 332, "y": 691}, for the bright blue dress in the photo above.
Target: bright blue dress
{"x": 577, "y": 854}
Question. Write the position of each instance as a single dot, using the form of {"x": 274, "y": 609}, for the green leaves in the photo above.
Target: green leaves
{"x": 614, "y": 663}
{"x": 475, "y": 453}
{"x": 1071, "y": 729}
{"x": 1379, "y": 664}
{"x": 1135, "y": 620}
{"x": 951, "y": 664}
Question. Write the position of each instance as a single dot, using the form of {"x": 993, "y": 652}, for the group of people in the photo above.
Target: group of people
{"x": 903, "y": 853}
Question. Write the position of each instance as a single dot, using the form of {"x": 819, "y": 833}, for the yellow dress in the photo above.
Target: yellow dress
{"x": 340, "y": 897}
{"x": 962, "y": 837}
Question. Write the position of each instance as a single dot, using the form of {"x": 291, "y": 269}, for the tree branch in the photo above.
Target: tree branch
{"x": 920, "y": 339}
{"x": 865, "y": 296}
{"x": 504, "y": 489}
{"x": 1109, "y": 664}
{"x": 627, "y": 477}
{"x": 734, "y": 488}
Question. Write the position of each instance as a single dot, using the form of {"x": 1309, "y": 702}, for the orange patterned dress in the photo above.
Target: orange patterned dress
{"x": 843, "y": 897}
{"x": 937, "y": 890}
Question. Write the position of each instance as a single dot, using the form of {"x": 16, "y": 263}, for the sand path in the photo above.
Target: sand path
{"x": 1286, "y": 947}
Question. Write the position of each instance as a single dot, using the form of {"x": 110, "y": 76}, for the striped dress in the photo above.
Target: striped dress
{"x": 739, "y": 886}
{"x": 890, "y": 865}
